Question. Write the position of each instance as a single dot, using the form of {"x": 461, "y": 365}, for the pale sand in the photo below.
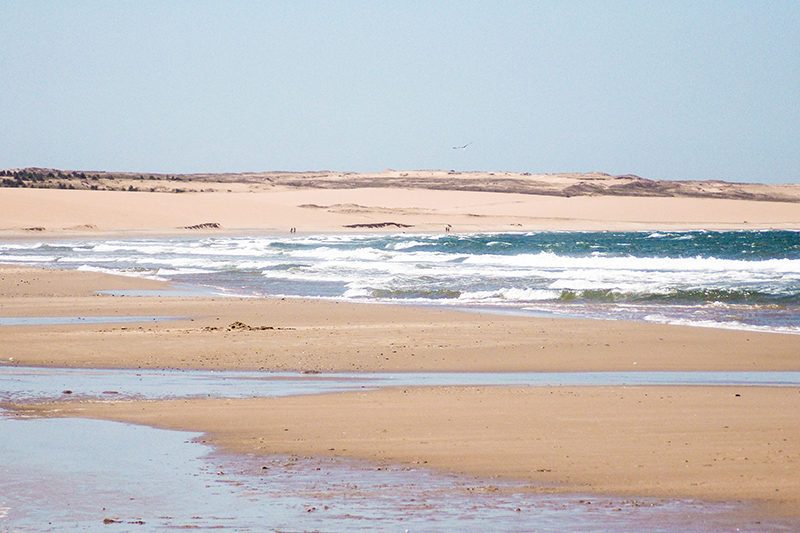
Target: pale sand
{"x": 48, "y": 213}
{"x": 697, "y": 442}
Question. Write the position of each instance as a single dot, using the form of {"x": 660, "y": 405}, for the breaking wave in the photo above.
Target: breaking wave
{"x": 729, "y": 278}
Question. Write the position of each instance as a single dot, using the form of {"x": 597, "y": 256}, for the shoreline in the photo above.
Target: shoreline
{"x": 175, "y": 289}
{"x": 718, "y": 443}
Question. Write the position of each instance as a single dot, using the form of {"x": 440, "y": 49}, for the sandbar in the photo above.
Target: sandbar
{"x": 733, "y": 444}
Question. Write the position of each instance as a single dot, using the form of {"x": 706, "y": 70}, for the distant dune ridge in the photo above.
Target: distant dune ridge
{"x": 564, "y": 184}
{"x": 47, "y": 202}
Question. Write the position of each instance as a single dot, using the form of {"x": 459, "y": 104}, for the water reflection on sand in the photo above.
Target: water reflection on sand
{"x": 41, "y": 384}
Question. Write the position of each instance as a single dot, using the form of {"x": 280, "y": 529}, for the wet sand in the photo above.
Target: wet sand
{"x": 708, "y": 443}
{"x": 715, "y": 443}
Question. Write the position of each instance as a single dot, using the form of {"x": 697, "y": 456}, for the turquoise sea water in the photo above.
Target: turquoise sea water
{"x": 733, "y": 279}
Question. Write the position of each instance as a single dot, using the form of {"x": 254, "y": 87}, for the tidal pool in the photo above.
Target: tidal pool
{"x": 89, "y": 475}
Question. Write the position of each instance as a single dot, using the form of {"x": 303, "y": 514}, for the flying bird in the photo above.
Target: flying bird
{"x": 462, "y": 147}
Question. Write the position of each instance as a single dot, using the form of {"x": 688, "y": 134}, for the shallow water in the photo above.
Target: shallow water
{"x": 18, "y": 384}
{"x": 78, "y": 475}
{"x": 69, "y": 320}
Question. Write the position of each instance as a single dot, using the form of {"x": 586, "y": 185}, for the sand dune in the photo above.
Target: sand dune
{"x": 392, "y": 201}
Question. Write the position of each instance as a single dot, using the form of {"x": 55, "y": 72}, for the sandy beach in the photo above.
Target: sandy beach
{"x": 714, "y": 443}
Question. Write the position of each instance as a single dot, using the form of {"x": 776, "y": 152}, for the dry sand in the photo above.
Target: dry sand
{"x": 715, "y": 443}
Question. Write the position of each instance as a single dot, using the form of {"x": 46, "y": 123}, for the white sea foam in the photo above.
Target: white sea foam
{"x": 94, "y": 260}
{"x": 20, "y": 246}
{"x": 727, "y": 324}
{"x": 408, "y": 244}
{"x": 549, "y": 260}
{"x": 27, "y": 259}
{"x": 357, "y": 292}
{"x": 166, "y": 272}
{"x": 117, "y": 272}
{"x": 499, "y": 270}
{"x": 511, "y": 294}
{"x": 307, "y": 275}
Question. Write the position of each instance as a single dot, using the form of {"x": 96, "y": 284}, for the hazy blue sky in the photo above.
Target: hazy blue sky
{"x": 664, "y": 90}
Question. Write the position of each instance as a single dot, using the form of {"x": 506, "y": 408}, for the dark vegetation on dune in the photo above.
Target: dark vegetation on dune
{"x": 594, "y": 184}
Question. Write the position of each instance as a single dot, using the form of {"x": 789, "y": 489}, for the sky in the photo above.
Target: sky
{"x": 693, "y": 90}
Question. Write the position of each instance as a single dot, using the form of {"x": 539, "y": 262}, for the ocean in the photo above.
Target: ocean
{"x": 726, "y": 279}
